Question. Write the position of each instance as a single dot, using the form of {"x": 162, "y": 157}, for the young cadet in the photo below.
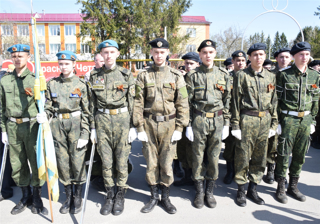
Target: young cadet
{"x": 229, "y": 64}
{"x": 111, "y": 104}
{"x": 254, "y": 120}
{"x": 191, "y": 62}
{"x": 298, "y": 93}
{"x": 239, "y": 60}
{"x": 209, "y": 98}
{"x": 20, "y": 128}
{"x": 315, "y": 65}
{"x": 160, "y": 114}
{"x": 68, "y": 106}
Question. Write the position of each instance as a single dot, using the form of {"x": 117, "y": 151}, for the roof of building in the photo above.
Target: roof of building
{"x": 194, "y": 19}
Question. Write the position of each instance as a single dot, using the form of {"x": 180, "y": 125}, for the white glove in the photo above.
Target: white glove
{"x": 279, "y": 129}
{"x": 271, "y": 133}
{"x": 133, "y": 134}
{"x": 225, "y": 132}
{"x": 312, "y": 129}
{"x": 93, "y": 136}
{"x": 42, "y": 118}
{"x": 82, "y": 143}
{"x": 189, "y": 134}
{"x": 4, "y": 138}
{"x": 176, "y": 136}
{"x": 142, "y": 136}
{"x": 236, "y": 133}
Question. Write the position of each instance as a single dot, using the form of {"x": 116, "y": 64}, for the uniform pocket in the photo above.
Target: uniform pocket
{"x": 168, "y": 92}
{"x": 150, "y": 91}
{"x": 199, "y": 92}
{"x": 282, "y": 149}
{"x": 292, "y": 92}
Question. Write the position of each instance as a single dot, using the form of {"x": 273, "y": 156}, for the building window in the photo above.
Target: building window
{"x": 85, "y": 48}
{"x": 6, "y": 30}
{"x": 23, "y": 30}
{"x": 138, "y": 49}
{"x": 42, "y": 48}
{"x": 70, "y": 30}
{"x": 191, "y": 48}
{"x": 54, "y": 48}
{"x": 71, "y": 47}
{"x": 191, "y": 32}
{"x": 54, "y": 30}
{"x": 139, "y": 65}
{"x": 40, "y": 30}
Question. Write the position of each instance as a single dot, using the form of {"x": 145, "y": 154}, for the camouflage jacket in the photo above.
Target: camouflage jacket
{"x": 209, "y": 91}
{"x": 161, "y": 91}
{"x": 67, "y": 95}
{"x": 254, "y": 91}
{"x": 16, "y": 96}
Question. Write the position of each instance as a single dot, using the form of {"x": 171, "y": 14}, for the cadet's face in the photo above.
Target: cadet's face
{"x": 316, "y": 67}
{"x": 159, "y": 55}
{"x": 283, "y": 59}
{"x": 230, "y": 67}
{"x": 20, "y": 59}
{"x": 257, "y": 58}
{"x": 239, "y": 63}
{"x": 110, "y": 55}
{"x": 207, "y": 54}
{"x": 98, "y": 61}
{"x": 190, "y": 65}
{"x": 301, "y": 58}
{"x": 66, "y": 66}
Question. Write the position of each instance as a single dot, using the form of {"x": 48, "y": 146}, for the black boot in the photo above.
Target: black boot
{"x": 177, "y": 169}
{"x": 241, "y": 196}
{"x": 269, "y": 178}
{"x": 165, "y": 201}
{"x": 108, "y": 204}
{"x": 253, "y": 194}
{"x": 119, "y": 201}
{"x": 37, "y": 205}
{"x": 154, "y": 189}
{"x": 281, "y": 193}
{"x": 199, "y": 199}
{"x": 186, "y": 180}
{"x": 65, "y": 208}
{"x": 76, "y": 206}
{"x": 25, "y": 201}
{"x": 293, "y": 189}
{"x": 211, "y": 201}
{"x": 230, "y": 173}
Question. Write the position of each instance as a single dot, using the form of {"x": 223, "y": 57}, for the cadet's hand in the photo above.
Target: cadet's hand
{"x": 312, "y": 129}
{"x": 4, "y": 138}
{"x": 176, "y": 136}
{"x": 93, "y": 136}
{"x": 279, "y": 129}
{"x": 189, "y": 134}
{"x": 42, "y": 118}
{"x": 271, "y": 133}
{"x": 82, "y": 143}
{"x": 142, "y": 136}
{"x": 236, "y": 133}
{"x": 133, "y": 134}
{"x": 225, "y": 132}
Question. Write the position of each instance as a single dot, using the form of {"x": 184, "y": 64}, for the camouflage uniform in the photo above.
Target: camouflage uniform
{"x": 254, "y": 113}
{"x": 63, "y": 100}
{"x": 112, "y": 89}
{"x": 209, "y": 99}
{"x": 297, "y": 92}
{"x": 160, "y": 93}
{"x": 22, "y": 137}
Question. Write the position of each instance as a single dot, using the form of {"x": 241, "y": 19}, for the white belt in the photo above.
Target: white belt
{"x": 114, "y": 111}
{"x": 67, "y": 115}
{"x": 21, "y": 120}
{"x": 295, "y": 113}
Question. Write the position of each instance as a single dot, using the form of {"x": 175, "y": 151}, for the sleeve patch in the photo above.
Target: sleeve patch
{"x": 184, "y": 92}
{"x": 137, "y": 90}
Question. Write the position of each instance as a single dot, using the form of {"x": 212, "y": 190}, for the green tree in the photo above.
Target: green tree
{"x": 276, "y": 43}
{"x": 312, "y": 36}
{"x": 317, "y": 13}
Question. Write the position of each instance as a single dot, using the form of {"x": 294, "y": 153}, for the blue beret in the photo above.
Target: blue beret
{"x": 66, "y": 55}
{"x": 301, "y": 46}
{"x": 286, "y": 49}
{"x": 239, "y": 54}
{"x": 19, "y": 48}
{"x": 108, "y": 43}
{"x": 191, "y": 56}
{"x": 228, "y": 62}
{"x": 207, "y": 43}
{"x": 256, "y": 47}
{"x": 159, "y": 43}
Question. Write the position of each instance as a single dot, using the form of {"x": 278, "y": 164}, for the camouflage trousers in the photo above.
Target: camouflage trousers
{"x": 207, "y": 140}
{"x": 113, "y": 147}
{"x": 295, "y": 139}
{"x": 184, "y": 151}
{"x": 22, "y": 140}
{"x": 70, "y": 159}
{"x": 159, "y": 151}
{"x": 229, "y": 142}
{"x": 272, "y": 149}
{"x": 251, "y": 151}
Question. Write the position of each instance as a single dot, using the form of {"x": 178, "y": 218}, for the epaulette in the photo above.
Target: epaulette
{"x": 224, "y": 70}
{"x": 280, "y": 70}
{"x": 192, "y": 71}
{"x": 175, "y": 71}
{"x": 142, "y": 71}
{"x": 83, "y": 81}
{"x": 124, "y": 70}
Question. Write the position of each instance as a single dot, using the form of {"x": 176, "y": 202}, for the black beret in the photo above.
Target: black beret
{"x": 286, "y": 49}
{"x": 267, "y": 62}
{"x": 207, "y": 43}
{"x": 301, "y": 46}
{"x": 159, "y": 43}
{"x": 228, "y": 62}
{"x": 256, "y": 47}
{"x": 314, "y": 62}
{"x": 192, "y": 56}
{"x": 239, "y": 54}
